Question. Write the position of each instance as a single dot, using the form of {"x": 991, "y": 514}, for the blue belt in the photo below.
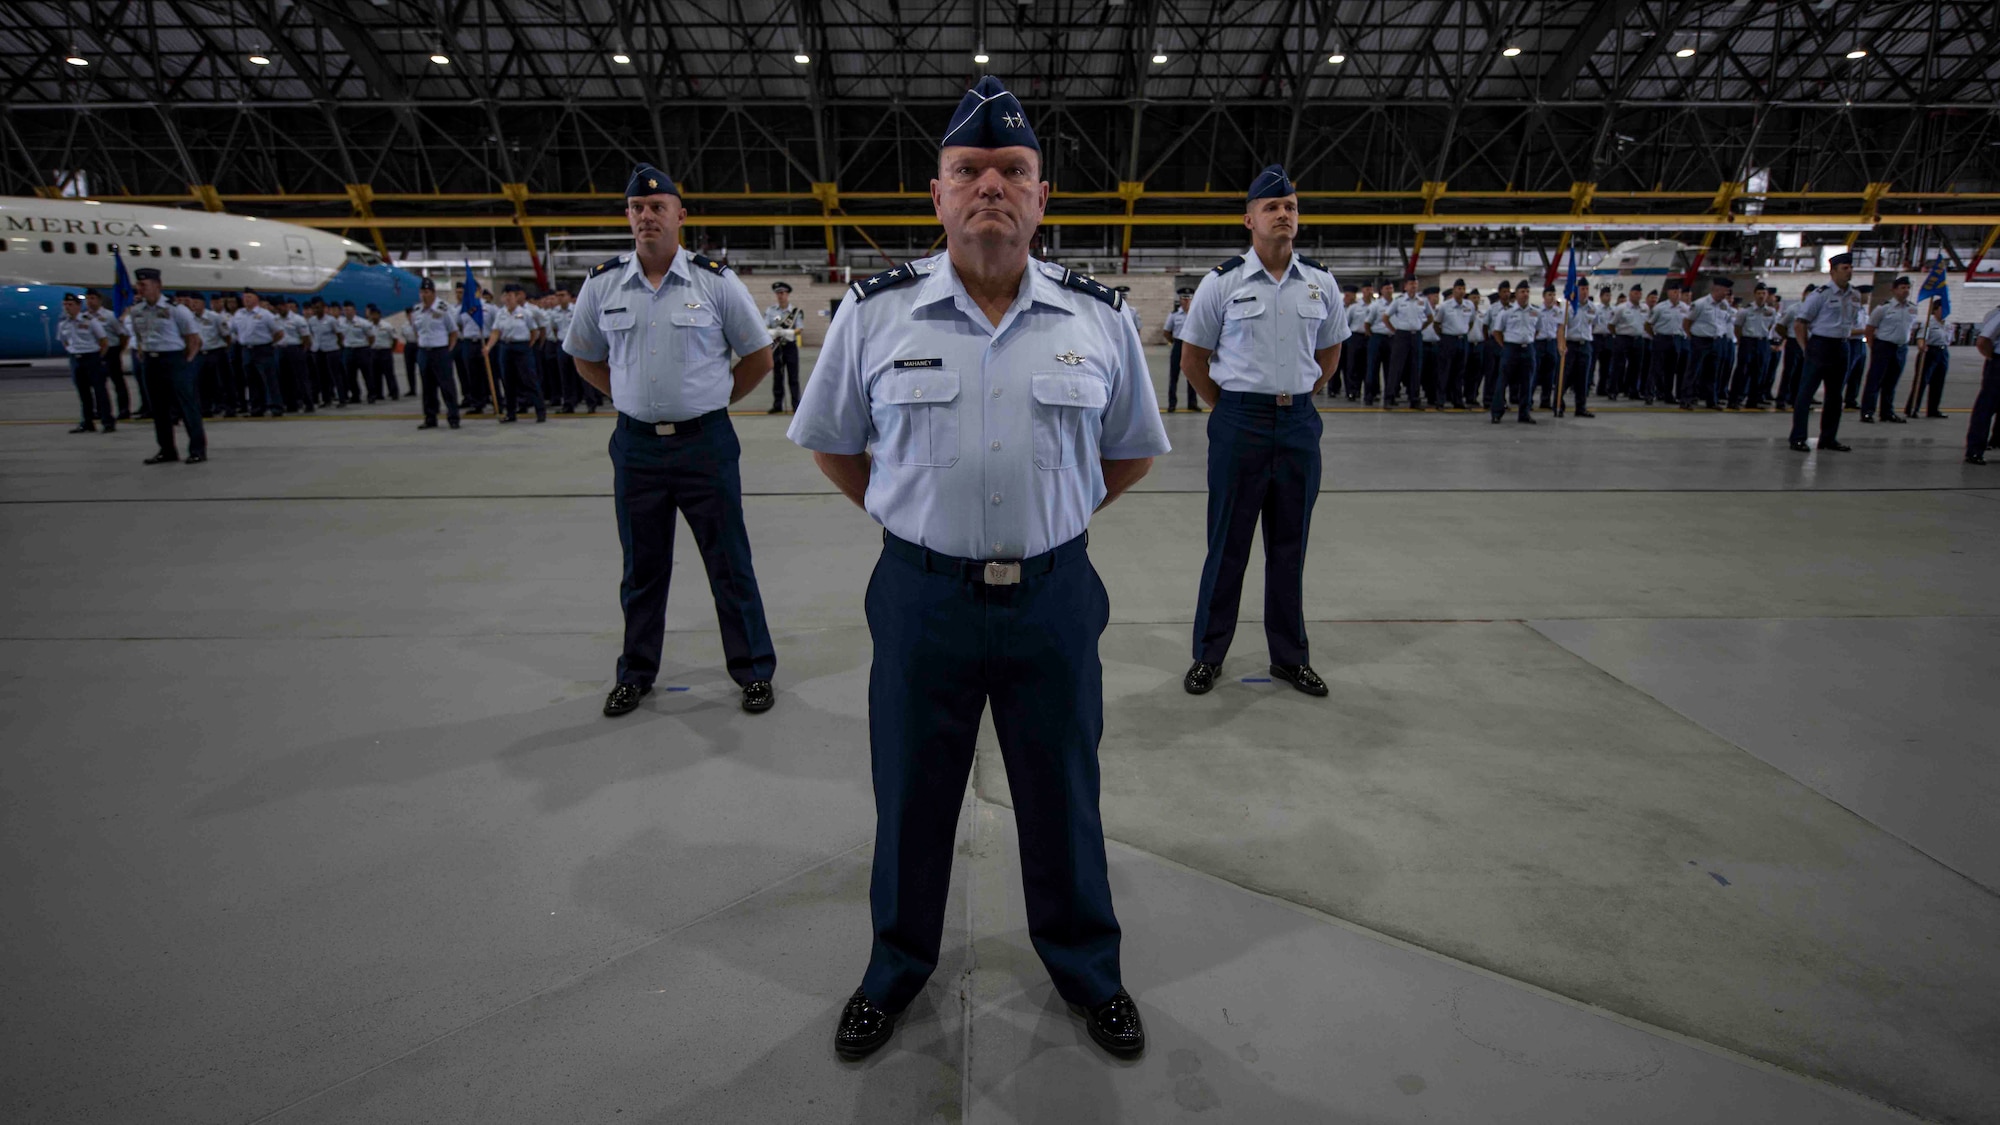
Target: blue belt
{"x": 671, "y": 429}
{"x": 986, "y": 572}
{"x": 1258, "y": 398}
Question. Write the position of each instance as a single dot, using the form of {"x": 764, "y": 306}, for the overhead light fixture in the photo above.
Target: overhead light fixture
{"x": 1159, "y": 57}
{"x": 982, "y": 58}
{"x": 622, "y": 59}
{"x": 1511, "y": 52}
{"x": 802, "y": 58}
{"x": 1336, "y": 58}
{"x": 1856, "y": 53}
{"x": 256, "y": 244}
{"x": 441, "y": 59}
{"x": 1684, "y": 53}
{"x": 77, "y": 60}
{"x": 259, "y": 60}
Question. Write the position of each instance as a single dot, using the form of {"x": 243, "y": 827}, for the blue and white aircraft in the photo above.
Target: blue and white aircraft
{"x": 49, "y": 247}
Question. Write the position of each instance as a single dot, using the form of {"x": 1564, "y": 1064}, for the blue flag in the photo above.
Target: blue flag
{"x": 471, "y": 302}
{"x": 122, "y": 293}
{"x": 1934, "y": 286}
{"x": 1569, "y": 287}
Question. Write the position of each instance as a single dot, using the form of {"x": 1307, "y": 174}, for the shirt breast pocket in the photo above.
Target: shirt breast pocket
{"x": 916, "y": 418}
{"x": 1240, "y": 320}
{"x": 700, "y": 331}
{"x": 1065, "y": 404}
{"x": 617, "y": 328}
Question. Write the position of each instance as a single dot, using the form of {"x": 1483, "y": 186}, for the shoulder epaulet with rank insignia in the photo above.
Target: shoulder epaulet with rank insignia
{"x": 1305, "y": 261}
{"x": 708, "y": 263}
{"x": 887, "y": 279}
{"x": 1230, "y": 264}
{"x": 609, "y": 265}
{"x": 1093, "y": 287}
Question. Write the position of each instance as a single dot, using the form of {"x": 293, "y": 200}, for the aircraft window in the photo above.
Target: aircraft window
{"x": 214, "y": 254}
{"x": 364, "y": 258}
{"x": 133, "y": 250}
{"x": 155, "y": 249}
{"x": 174, "y": 250}
{"x": 69, "y": 247}
{"x": 90, "y": 247}
{"x": 232, "y": 254}
{"x": 48, "y": 247}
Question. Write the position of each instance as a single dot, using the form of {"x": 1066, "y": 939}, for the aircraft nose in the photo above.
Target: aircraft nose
{"x": 404, "y": 283}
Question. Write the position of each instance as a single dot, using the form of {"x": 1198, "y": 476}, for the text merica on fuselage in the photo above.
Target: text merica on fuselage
{"x": 114, "y": 228}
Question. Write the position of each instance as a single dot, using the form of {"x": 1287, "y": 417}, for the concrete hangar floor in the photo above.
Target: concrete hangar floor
{"x": 1657, "y": 785}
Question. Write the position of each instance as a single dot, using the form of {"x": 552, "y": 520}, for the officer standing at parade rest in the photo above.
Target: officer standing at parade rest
{"x": 255, "y": 330}
{"x": 84, "y": 340}
{"x": 1454, "y": 322}
{"x": 1711, "y": 325}
{"x": 654, "y": 329}
{"x": 1575, "y": 349}
{"x": 434, "y": 336}
{"x": 786, "y": 324}
{"x": 1182, "y": 297}
{"x": 218, "y": 395}
{"x": 168, "y": 340}
{"x": 1547, "y": 353}
{"x": 1429, "y": 355}
{"x": 1933, "y": 362}
{"x": 475, "y": 381}
{"x": 513, "y": 329}
{"x": 1888, "y": 335}
{"x": 1264, "y": 335}
{"x": 1514, "y": 325}
{"x": 1752, "y": 384}
{"x": 1493, "y": 363}
{"x": 382, "y": 354}
{"x": 1005, "y": 400}
{"x": 1979, "y": 436}
{"x": 1405, "y": 318}
{"x": 113, "y": 365}
{"x": 1857, "y": 349}
{"x": 1824, "y": 321}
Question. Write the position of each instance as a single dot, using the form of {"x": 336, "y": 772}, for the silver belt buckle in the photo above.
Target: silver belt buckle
{"x": 1003, "y": 574}
{"x": 664, "y": 429}
{"x": 1284, "y": 400}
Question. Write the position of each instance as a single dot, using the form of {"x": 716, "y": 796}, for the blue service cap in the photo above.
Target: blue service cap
{"x": 145, "y": 273}
{"x": 1272, "y": 183}
{"x": 513, "y": 287}
{"x": 1726, "y": 283}
{"x": 427, "y": 283}
{"x": 648, "y": 180}
{"x": 78, "y": 297}
{"x": 1840, "y": 260}
{"x": 989, "y": 117}
{"x": 1900, "y": 281}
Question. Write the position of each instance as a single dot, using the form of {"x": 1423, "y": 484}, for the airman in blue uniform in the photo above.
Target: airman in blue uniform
{"x": 1264, "y": 336}
{"x": 433, "y": 336}
{"x": 980, "y": 405}
{"x": 85, "y": 342}
{"x": 1824, "y": 321}
{"x": 655, "y": 329}
{"x": 167, "y": 339}
{"x": 1980, "y": 435}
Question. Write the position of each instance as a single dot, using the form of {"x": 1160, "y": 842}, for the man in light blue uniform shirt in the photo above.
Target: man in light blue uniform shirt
{"x": 85, "y": 341}
{"x": 255, "y": 330}
{"x": 167, "y": 339}
{"x": 1406, "y": 317}
{"x": 1004, "y": 401}
{"x": 512, "y": 330}
{"x": 1176, "y": 318}
{"x": 1458, "y": 379}
{"x": 1515, "y": 326}
{"x": 1981, "y": 434}
{"x": 1547, "y": 355}
{"x": 1824, "y": 320}
{"x": 1264, "y": 335}
{"x": 1575, "y": 349}
{"x": 1889, "y": 327}
{"x": 434, "y": 334}
{"x": 1711, "y": 324}
{"x": 655, "y": 329}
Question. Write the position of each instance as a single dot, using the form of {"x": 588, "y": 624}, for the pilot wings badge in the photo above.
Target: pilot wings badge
{"x": 1070, "y": 358}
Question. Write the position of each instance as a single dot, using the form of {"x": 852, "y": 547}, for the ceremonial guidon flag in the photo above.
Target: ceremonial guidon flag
{"x": 1569, "y": 287}
{"x": 470, "y": 302}
{"x": 1934, "y": 286}
{"x": 122, "y": 293}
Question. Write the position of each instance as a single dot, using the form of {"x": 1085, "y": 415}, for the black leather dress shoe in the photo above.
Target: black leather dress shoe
{"x": 1526, "y": 419}
{"x": 161, "y": 459}
{"x": 1975, "y": 458}
{"x": 428, "y": 426}
{"x": 1869, "y": 418}
{"x": 1200, "y": 678}
{"x": 863, "y": 1028}
{"x": 86, "y": 428}
{"x": 1801, "y": 447}
{"x": 625, "y": 697}
{"x": 1115, "y": 1025}
{"x": 1896, "y": 418}
{"x": 1933, "y": 413}
{"x": 1827, "y": 443}
{"x": 757, "y": 696}
{"x": 196, "y": 458}
{"x": 1585, "y": 414}
{"x": 1300, "y": 676}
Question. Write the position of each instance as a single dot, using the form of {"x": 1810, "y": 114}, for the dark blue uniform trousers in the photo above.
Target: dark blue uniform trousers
{"x": 1517, "y": 368}
{"x": 695, "y": 473}
{"x": 1453, "y": 373}
{"x": 519, "y": 383}
{"x": 946, "y": 645}
{"x": 87, "y": 372}
{"x": 1371, "y": 370}
{"x": 1980, "y": 433}
{"x": 1930, "y": 376}
{"x": 435, "y": 364}
{"x": 1826, "y": 363}
{"x": 173, "y": 386}
{"x": 1574, "y": 377}
{"x": 1263, "y": 463}
{"x": 1403, "y": 368}
{"x": 1884, "y": 372}
{"x": 1857, "y": 370}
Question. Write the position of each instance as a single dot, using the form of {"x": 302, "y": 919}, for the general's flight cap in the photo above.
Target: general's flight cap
{"x": 988, "y": 116}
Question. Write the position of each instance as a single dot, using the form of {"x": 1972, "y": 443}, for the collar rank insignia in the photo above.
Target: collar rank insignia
{"x": 1070, "y": 358}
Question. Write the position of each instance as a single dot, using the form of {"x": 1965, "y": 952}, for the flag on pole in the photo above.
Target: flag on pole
{"x": 122, "y": 293}
{"x": 1934, "y": 286}
{"x": 471, "y": 303}
{"x": 1569, "y": 287}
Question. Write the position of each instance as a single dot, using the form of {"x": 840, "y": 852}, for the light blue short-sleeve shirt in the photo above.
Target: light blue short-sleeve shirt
{"x": 1832, "y": 312}
{"x": 986, "y": 439}
{"x": 1264, "y": 329}
{"x": 162, "y": 325}
{"x": 669, "y": 347}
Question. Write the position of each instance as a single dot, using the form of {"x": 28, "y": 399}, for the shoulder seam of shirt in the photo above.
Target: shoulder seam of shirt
{"x": 1229, "y": 264}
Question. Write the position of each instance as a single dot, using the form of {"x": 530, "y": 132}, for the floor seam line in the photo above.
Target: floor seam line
{"x": 565, "y": 982}
{"x": 1572, "y": 1002}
